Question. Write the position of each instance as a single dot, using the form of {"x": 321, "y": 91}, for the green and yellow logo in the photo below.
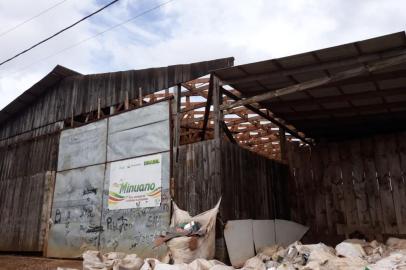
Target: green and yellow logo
{"x": 150, "y": 162}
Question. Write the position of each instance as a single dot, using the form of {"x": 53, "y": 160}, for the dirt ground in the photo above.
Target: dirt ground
{"x": 11, "y": 262}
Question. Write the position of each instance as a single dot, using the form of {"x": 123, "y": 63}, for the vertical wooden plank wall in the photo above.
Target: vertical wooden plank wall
{"x": 23, "y": 168}
{"x": 246, "y": 184}
{"x": 339, "y": 188}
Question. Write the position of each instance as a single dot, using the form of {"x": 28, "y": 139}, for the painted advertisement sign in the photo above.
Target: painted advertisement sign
{"x": 135, "y": 183}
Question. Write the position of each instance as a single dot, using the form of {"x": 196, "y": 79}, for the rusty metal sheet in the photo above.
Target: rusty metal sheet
{"x": 76, "y": 212}
{"x": 133, "y": 230}
{"x": 139, "y": 117}
{"x": 139, "y": 141}
{"x": 83, "y": 146}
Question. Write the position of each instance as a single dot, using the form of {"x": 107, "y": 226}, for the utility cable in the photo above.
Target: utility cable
{"x": 98, "y": 34}
{"x": 30, "y": 19}
{"x": 59, "y": 32}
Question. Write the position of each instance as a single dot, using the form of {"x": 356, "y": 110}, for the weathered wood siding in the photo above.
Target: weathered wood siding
{"x": 338, "y": 188}
{"x": 79, "y": 94}
{"x": 29, "y": 135}
{"x": 22, "y": 178}
{"x": 251, "y": 186}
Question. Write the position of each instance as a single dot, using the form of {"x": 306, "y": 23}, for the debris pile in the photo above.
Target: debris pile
{"x": 352, "y": 254}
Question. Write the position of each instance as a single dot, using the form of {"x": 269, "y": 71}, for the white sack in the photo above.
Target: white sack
{"x": 94, "y": 260}
{"x": 179, "y": 247}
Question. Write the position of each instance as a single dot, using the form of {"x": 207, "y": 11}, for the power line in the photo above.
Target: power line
{"x": 59, "y": 32}
{"x": 98, "y": 34}
{"x": 30, "y": 19}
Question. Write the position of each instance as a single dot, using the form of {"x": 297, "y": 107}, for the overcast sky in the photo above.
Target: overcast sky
{"x": 183, "y": 31}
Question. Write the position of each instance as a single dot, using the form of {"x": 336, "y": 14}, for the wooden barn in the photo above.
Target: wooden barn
{"x": 315, "y": 138}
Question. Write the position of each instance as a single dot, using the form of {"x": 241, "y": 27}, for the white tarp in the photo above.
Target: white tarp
{"x": 135, "y": 183}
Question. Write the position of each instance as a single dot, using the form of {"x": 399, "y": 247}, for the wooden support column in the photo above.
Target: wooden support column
{"x": 207, "y": 109}
{"x": 126, "y": 101}
{"x": 112, "y": 110}
{"x": 98, "y": 108}
{"x": 282, "y": 143}
{"x": 218, "y": 131}
{"x": 140, "y": 96}
{"x": 177, "y": 121}
{"x": 217, "y": 113}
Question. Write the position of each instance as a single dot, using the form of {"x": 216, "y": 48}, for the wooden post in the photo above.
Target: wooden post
{"x": 218, "y": 131}
{"x": 49, "y": 187}
{"x": 112, "y": 110}
{"x": 71, "y": 117}
{"x": 207, "y": 109}
{"x": 140, "y": 96}
{"x": 177, "y": 120}
{"x": 126, "y": 101}
{"x": 98, "y": 108}
{"x": 217, "y": 113}
{"x": 282, "y": 143}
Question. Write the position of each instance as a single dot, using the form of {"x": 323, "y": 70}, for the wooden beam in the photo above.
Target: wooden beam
{"x": 346, "y": 110}
{"x": 140, "y": 96}
{"x": 317, "y": 67}
{"x": 207, "y": 110}
{"x": 194, "y": 91}
{"x": 350, "y": 73}
{"x": 342, "y": 97}
{"x": 176, "y": 133}
{"x": 282, "y": 144}
{"x": 217, "y": 102}
{"x": 195, "y": 106}
{"x": 126, "y": 101}
{"x": 269, "y": 118}
{"x": 228, "y": 132}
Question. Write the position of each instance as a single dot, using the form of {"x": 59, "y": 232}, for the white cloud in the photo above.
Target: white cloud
{"x": 184, "y": 31}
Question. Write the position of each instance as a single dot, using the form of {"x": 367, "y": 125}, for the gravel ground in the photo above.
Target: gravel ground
{"x": 9, "y": 262}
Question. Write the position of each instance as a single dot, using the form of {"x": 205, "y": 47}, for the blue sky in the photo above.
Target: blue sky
{"x": 181, "y": 32}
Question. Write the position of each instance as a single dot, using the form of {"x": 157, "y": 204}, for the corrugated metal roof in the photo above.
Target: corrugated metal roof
{"x": 353, "y": 107}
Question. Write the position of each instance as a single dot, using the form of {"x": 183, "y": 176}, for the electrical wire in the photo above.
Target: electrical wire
{"x": 98, "y": 34}
{"x": 30, "y": 19}
{"x": 59, "y": 32}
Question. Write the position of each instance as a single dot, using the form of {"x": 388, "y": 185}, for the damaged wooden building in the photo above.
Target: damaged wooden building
{"x": 316, "y": 138}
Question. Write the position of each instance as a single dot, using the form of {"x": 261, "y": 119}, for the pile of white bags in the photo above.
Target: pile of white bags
{"x": 352, "y": 254}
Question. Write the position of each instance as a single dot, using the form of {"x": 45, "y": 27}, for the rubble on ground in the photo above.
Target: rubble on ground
{"x": 352, "y": 254}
